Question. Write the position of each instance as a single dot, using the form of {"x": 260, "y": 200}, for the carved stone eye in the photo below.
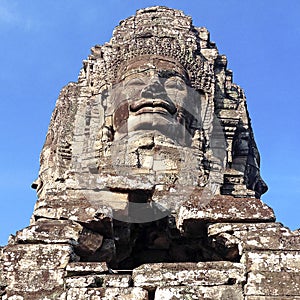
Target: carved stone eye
{"x": 175, "y": 83}
{"x": 135, "y": 82}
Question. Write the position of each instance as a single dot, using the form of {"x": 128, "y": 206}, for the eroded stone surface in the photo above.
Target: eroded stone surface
{"x": 274, "y": 273}
{"x": 118, "y": 281}
{"x": 77, "y": 209}
{"x": 264, "y": 236}
{"x": 50, "y": 231}
{"x": 83, "y": 268}
{"x": 224, "y": 209}
{"x": 108, "y": 293}
{"x": 273, "y": 261}
{"x": 207, "y": 274}
{"x": 55, "y": 294}
{"x": 36, "y": 257}
{"x": 200, "y": 292}
{"x": 35, "y": 280}
{"x": 273, "y": 284}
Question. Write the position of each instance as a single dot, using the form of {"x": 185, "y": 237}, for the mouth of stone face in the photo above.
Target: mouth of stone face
{"x": 153, "y": 106}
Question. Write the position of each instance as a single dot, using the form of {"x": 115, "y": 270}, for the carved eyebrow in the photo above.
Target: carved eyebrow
{"x": 174, "y": 82}
{"x": 175, "y": 78}
{"x": 170, "y": 73}
{"x": 135, "y": 80}
{"x": 135, "y": 71}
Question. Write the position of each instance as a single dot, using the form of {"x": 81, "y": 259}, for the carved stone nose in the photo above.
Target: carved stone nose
{"x": 154, "y": 89}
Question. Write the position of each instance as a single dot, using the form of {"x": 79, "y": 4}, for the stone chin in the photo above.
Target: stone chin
{"x": 158, "y": 122}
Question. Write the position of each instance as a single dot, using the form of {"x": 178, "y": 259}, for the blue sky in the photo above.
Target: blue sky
{"x": 44, "y": 42}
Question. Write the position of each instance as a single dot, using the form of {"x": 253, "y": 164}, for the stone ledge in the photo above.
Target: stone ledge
{"x": 83, "y": 268}
{"x": 117, "y": 281}
{"x": 35, "y": 281}
{"x": 273, "y": 284}
{"x": 108, "y": 293}
{"x": 78, "y": 209}
{"x": 150, "y": 276}
{"x": 222, "y": 292}
{"x": 273, "y": 261}
{"x": 224, "y": 209}
{"x": 52, "y": 232}
{"x": 56, "y": 294}
{"x": 260, "y": 236}
{"x": 36, "y": 257}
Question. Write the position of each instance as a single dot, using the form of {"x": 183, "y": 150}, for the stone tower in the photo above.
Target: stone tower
{"x": 149, "y": 184}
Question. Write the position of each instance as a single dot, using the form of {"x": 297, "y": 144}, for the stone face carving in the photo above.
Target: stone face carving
{"x": 150, "y": 181}
{"x": 153, "y": 95}
{"x": 163, "y": 84}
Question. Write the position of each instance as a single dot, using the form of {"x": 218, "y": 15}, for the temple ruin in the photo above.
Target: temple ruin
{"x": 149, "y": 184}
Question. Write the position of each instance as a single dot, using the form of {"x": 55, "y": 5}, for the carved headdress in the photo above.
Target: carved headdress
{"x": 157, "y": 31}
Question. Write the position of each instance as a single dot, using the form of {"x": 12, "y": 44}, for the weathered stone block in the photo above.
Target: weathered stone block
{"x": 41, "y": 295}
{"x": 273, "y": 261}
{"x": 224, "y": 209}
{"x": 90, "y": 281}
{"x": 89, "y": 242}
{"x": 83, "y": 268}
{"x": 50, "y": 231}
{"x": 175, "y": 274}
{"x": 35, "y": 280}
{"x": 36, "y": 257}
{"x": 78, "y": 209}
{"x": 108, "y": 293}
{"x": 221, "y": 292}
{"x": 105, "y": 253}
{"x": 264, "y": 236}
{"x": 107, "y": 198}
{"x": 119, "y": 281}
{"x": 273, "y": 284}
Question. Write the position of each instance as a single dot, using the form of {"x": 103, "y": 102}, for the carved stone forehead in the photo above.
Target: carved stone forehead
{"x": 155, "y": 32}
{"x": 163, "y": 65}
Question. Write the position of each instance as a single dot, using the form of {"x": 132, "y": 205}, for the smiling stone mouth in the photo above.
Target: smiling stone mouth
{"x": 153, "y": 106}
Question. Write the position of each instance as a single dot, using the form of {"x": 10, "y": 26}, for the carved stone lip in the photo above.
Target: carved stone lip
{"x": 153, "y": 105}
